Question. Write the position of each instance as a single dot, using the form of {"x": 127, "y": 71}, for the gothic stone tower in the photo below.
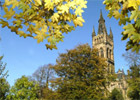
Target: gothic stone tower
{"x": 104, "y": 43}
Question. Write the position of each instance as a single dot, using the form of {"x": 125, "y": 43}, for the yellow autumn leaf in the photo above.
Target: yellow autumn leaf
{"x": 56, "y": 1}
{"x": 38, "y": 2}
{"x": 44, "y": 30}
{"x": 21, "y": 33}
{"x": 72, "y": 5}
{"x": 41, "y": 34}
{"x": 78, "y": 2}
{"x": 39, "y": 37}
{"x": 55, "y": 17}
{"x": 63, "y": 9}
{"x": 134, "y": 3}
{"x": 9, "y": 14}
{"x": 83, "y": 4}
{"x": 78, "y": 21}
{"x": 49, "y": 4}
{"x": 79, "y": 11}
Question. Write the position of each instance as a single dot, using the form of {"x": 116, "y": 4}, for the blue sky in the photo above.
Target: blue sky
{"x": 24, "y": 56}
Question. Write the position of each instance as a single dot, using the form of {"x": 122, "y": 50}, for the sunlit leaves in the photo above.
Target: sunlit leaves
{"x": 79, "y": 21}
{"x": 134, "y": 3}
{"x": 9, "y": 14}
{"x": 134, "y": 15}
{"x": 55, "y": 17}
{"x": 4, "y": 23}
{"x": 23, "y": 89}
{"x": 43, "y": 19}
{"x": 128, "y": 13}
{"x": 116, "y": 14}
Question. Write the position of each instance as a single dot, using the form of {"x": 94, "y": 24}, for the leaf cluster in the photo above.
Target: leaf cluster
{"x": 43, "y": 19}
{"x": 128, "y": 14}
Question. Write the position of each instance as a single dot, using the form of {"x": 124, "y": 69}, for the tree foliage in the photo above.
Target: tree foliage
{"x": 43, "y": 75}
{"x": 128, "y": 13}
{"x": 81, "y": 74}
{"x": 133, "y": 78}
{"x": 116, "y": 95}
{"x": 134, "y": 82}
{"x": 43, "y": 19}
{"x": 4, "y": 86}
{"x": 3, "y": 74}
{"x": 23, "y": 89}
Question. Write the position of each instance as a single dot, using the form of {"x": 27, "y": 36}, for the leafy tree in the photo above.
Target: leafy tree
{"x": 128, "y": 13}
{"x": 3, "y": 74}
{"x": 81, "y": 74}
{"x": 4, "y": 86}
{"x": 43, "y": 19}
{"x": 23, "y": 89}
{"x": 116, "y": 95}
{"x": 42, "y": 75}
{"x": 134, "y": 82}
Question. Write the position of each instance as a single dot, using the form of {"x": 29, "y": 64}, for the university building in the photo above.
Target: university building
{"x": 105, "y": 45}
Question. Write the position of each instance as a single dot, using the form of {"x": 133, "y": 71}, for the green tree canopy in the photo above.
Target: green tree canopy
{"x": 116, "y": 95}
{"x": 133, "y": 78}
{"x": 43, "y": 19}
{"x": 23, "y": 89}
{"x": 128, "y": 14}
{"x": 4, "y": 86}
{"x": 81, "y": 74}
{"x": 134, "y": 82}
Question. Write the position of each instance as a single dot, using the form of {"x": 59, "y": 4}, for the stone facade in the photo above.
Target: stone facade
{"x": 105, "y": 45}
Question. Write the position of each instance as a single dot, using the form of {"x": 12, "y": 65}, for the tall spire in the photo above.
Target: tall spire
{"x": 111, "y": 34}
{"x": 101, "y": 16}
{"x": 93, "y": 32}
{"x": 102, "y": 27}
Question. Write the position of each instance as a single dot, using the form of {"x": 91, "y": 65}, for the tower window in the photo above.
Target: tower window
{"x": 110, "y": 54}
{"x": 99, "y": 39}
{"x": 102, "y": 52}
{"x": 107, "y": 53}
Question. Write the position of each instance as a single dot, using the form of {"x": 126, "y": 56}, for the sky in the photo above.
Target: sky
{"x": 24, "y": 56}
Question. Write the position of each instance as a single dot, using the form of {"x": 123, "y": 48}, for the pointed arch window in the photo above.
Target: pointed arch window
{"x": 110, "y": 54}
{"x": 102, "y": 52}
{"x": 107, "y": 53}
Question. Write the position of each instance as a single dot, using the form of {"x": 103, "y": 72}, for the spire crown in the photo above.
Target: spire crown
{"x": 111, "y": 34}
{"x": 101, "y": 16}
{"x": 102, "y": 27}
{"x": 93, "y": 32}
